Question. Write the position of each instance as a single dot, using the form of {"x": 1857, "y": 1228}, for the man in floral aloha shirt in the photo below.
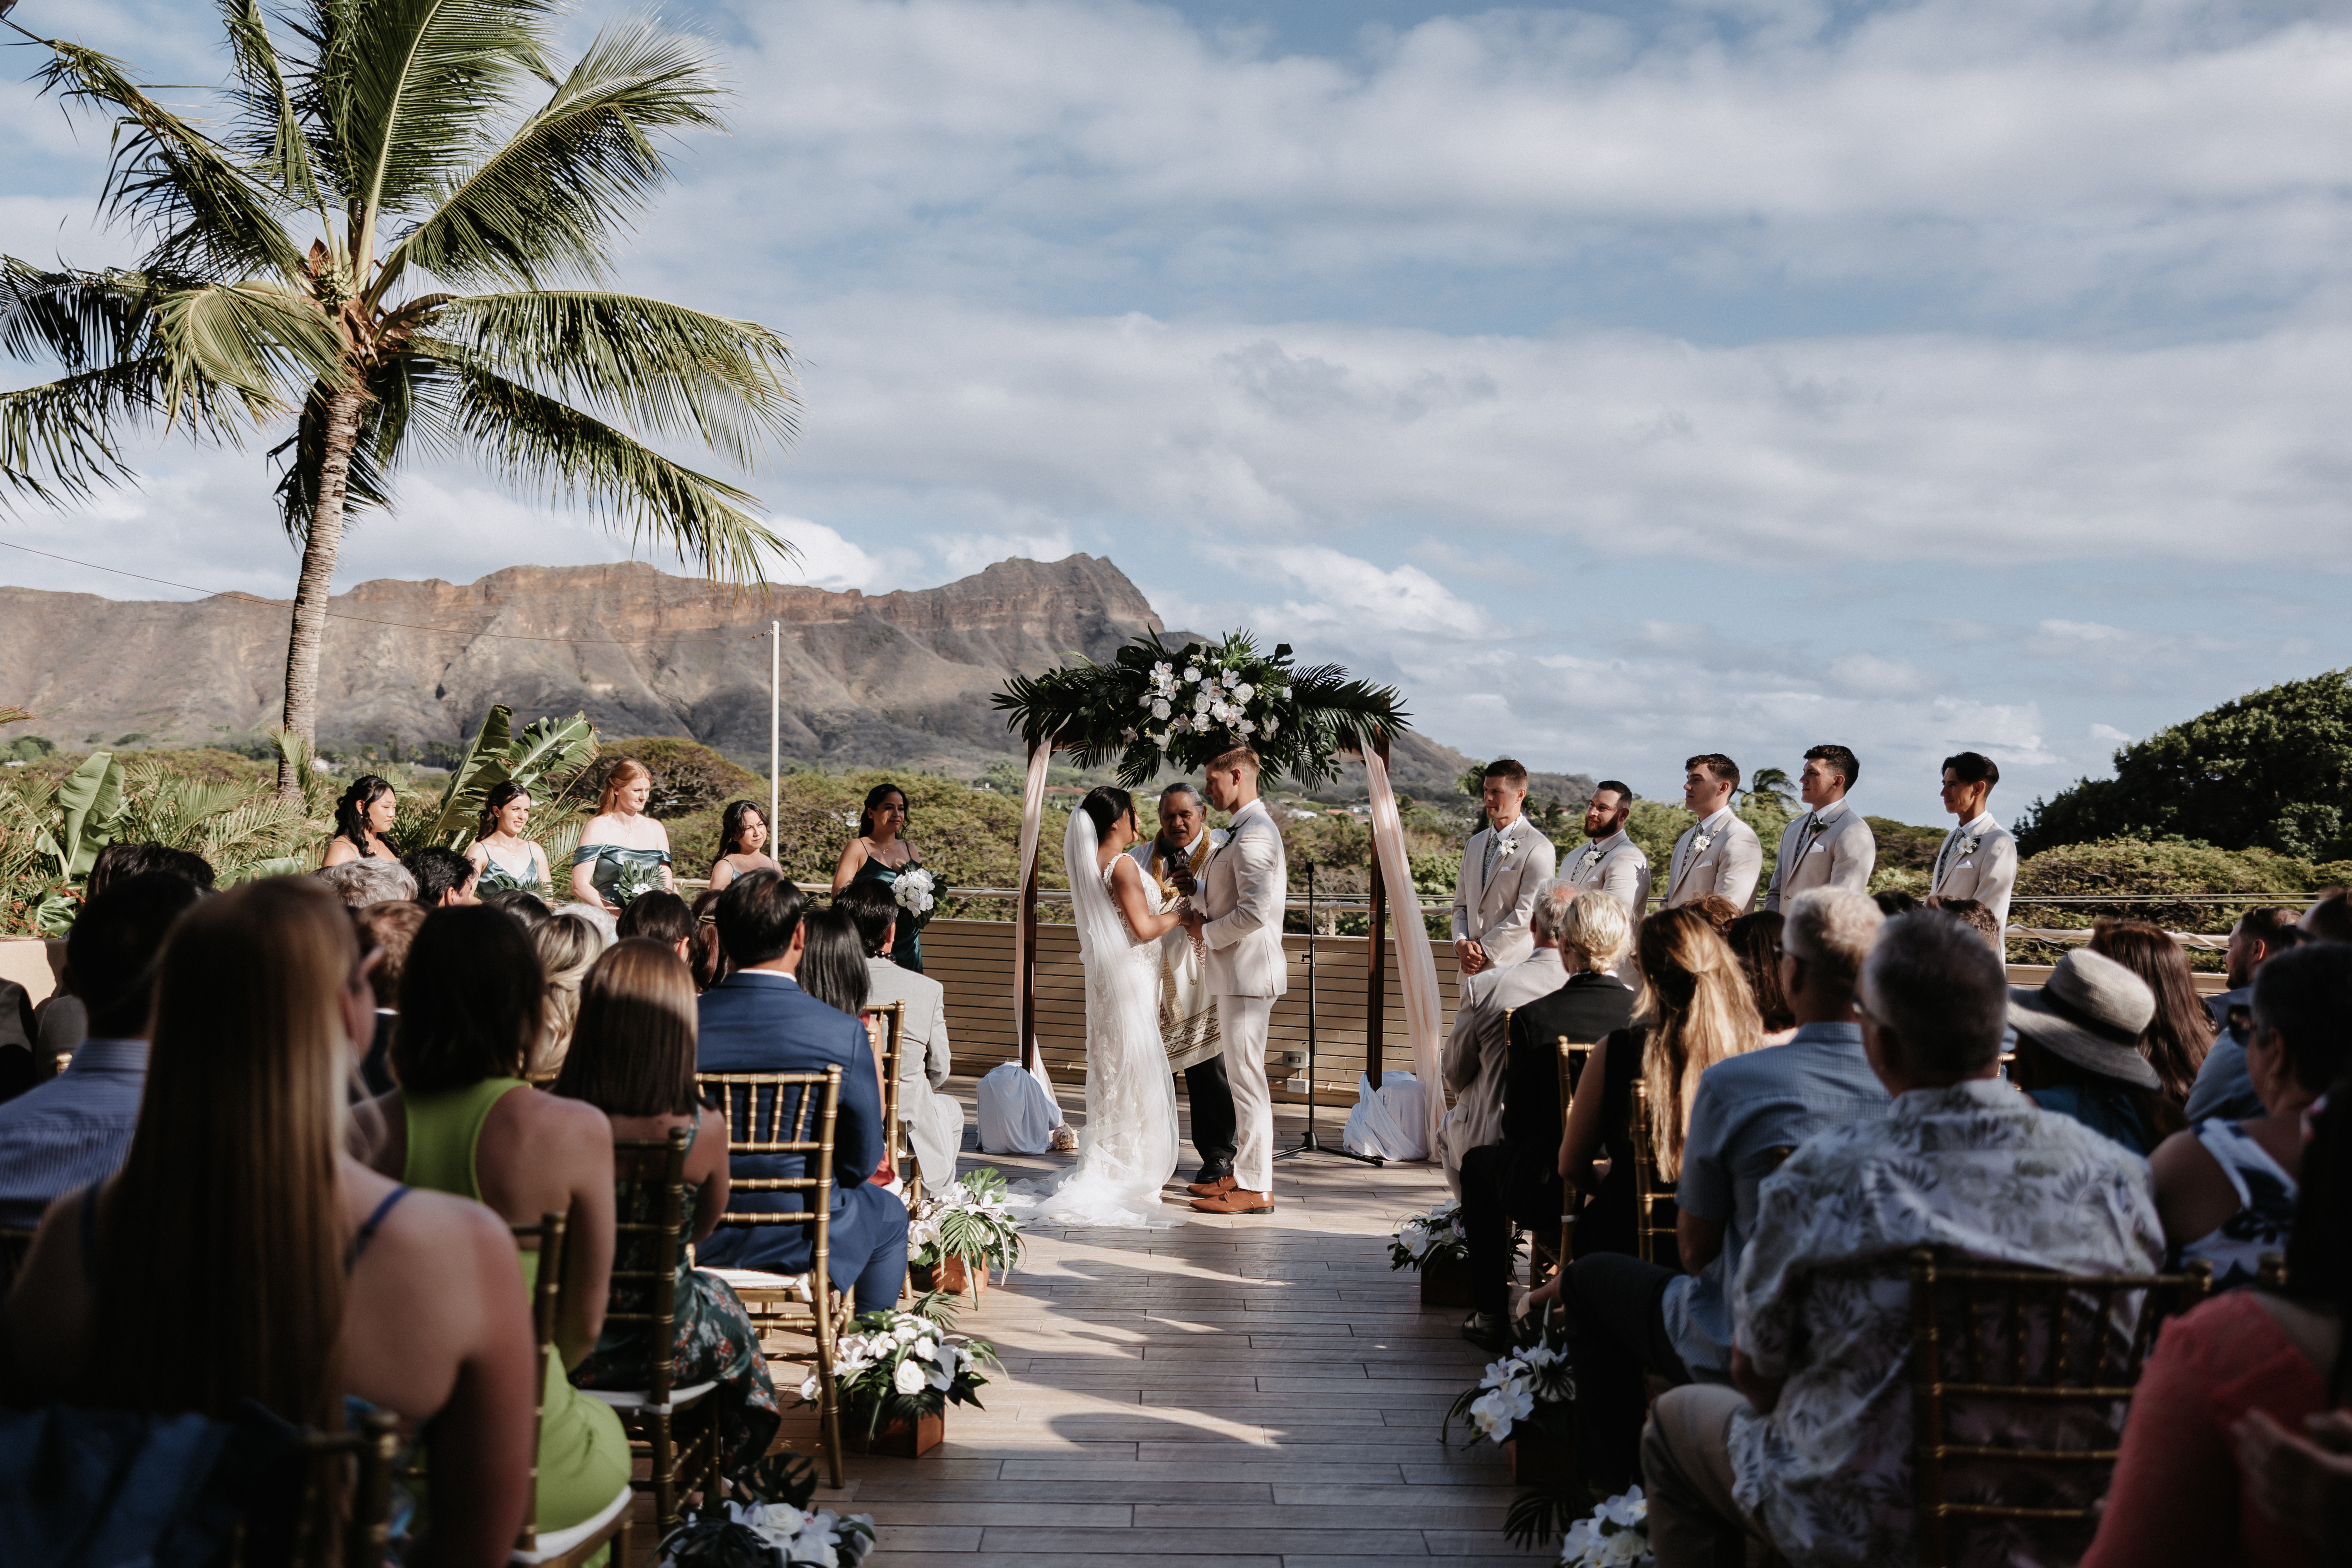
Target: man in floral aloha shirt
{"x": 1813, "y": 1448}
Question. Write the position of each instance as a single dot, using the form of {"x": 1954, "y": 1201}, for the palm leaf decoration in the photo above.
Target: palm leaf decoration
{"x": 547, "y": 750}
{"x": 390, "y": 233}
{"x": 1144, "y": 710}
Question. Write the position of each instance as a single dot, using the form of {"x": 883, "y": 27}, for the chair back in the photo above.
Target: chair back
{"x": 346, "y": 1476}
{"x": 2023, "y": 1377}
{"x": 648, "y": 1244}
{"x": 546, "y": 1302}
{"x": 886, "y": 1030}
{"x": 1655, "y": 1213}
{"x": 782, "y": 1114}
{"x": 1573, "y": 1056}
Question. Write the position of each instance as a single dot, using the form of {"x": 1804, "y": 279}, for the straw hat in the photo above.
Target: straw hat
{"x": 2092, "y": 1014}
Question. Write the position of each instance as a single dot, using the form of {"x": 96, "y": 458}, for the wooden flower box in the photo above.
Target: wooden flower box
{"x": 1446, "y": 1281}
{"x": 1537, "y": 1456}
{"x": 898, "y": 1439}
{"x": 952, "y": 1276}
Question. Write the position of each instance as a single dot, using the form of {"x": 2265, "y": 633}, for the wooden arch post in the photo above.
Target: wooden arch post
{"x": 1376, "y": 963}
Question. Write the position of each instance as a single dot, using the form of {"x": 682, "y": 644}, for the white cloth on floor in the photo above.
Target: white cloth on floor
{"x": 1388, "y": 1122}
{"x": 1017, "y": 1112}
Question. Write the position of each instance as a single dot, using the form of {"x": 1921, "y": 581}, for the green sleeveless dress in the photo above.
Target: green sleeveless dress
{"x": 583, "y": 1455}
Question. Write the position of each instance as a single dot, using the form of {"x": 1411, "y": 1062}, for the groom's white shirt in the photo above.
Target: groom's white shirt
{"x": 1493, "y": 910}
{"x": 1242, "y": 892}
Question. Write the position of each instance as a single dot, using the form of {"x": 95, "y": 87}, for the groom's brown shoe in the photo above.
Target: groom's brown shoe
{"x": 1238, "y": 1200}
{"x": 1211, "y": 1189}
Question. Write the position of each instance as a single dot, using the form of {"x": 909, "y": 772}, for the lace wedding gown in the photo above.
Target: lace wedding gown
{"x": 1127, "y": 1151}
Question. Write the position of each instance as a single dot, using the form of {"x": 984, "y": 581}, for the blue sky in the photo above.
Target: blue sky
{"x": 1622, "y": 381}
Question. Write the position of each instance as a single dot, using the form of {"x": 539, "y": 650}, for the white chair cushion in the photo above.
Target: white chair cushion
{"x": 626, "y": 1399}
{"x": 553, "y": 1544}
{"x": 754, "y": 1280}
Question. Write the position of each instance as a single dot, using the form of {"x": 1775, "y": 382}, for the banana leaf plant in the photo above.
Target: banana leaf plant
{"x": 548, "y": 751}
{"x": 90, "y": 811}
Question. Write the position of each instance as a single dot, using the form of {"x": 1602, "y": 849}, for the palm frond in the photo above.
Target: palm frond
{"x": 272, "y": 142}
{"x": 252, "y": 339}
{"x": 666, "y": 369}
{"x": 60, "y": 441}
{"x": 80, "y": 319}
{"x": 535, "y": 441}
{"x": 211, "y": 219}
{"x": 407, "y": 393}
{"x": 547, "y": 200}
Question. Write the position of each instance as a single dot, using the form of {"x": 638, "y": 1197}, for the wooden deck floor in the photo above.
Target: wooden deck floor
{"x": 1235, "y": 1391}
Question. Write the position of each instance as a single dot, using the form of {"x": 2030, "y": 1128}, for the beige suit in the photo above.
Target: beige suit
{"x": 1620, "y": 870}
{"x": 1729, "y": 864}
{"x": 934, "y": 1122}
{"x": 1494, "y": 911}
{"x": 1243, "y": 889}
{"x": 1986, "y": 873}
{"x": 1841, "y": 854}
{"x": 1477, "y": 1053}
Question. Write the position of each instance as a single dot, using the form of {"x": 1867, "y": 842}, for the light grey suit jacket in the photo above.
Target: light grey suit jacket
{"x": 934, "y": 1122}
{"x": 1495, "y": 914}
{"x": 1620, "y": 870}
{"x": 1731, "y": 865}
{"x": 1986, "y": 873}
{"x": 1477, "y": 1053}
{"x": 1840, "y": 855}
{"x": 1242, "y": 891}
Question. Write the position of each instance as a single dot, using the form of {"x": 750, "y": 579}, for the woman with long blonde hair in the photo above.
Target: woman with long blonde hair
{"x": 623, "y": 852}
{"x": 296, "y": 1276}
{"x": 567, "y": 944}
{"x": 1697, "y": 1010}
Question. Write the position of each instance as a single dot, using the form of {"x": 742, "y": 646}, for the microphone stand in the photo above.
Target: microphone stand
{"x": 1308, "y": 1145}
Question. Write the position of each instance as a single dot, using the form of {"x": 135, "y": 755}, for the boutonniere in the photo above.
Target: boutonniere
{"x": 1699, "y": 843}
{"x": 1969, "y": 844}
{"x": 1509, "y": 847}
{"x": 1591, "y": 858}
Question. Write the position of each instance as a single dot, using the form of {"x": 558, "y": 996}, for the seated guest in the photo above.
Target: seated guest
{"x": 2078, "y": 1050}
{"x": 659, "y": 917}
{"x": 1720, "y": 912}
{"x": 567, "y": 944}
{"x": 1518, "y": 1179}
{"x": 443, "y": 877}
{"x": 360, "y": 883}
{"x": 72, "y": 1129}
{"x": 833, "y": 970}
{"x": 632, "y": 1057}
{"x": 708, "y": 958}
{"x": 2249, "y": 1360}
{"x": 57, "y": 1028}
{"x": 527, "y": 907}
{"x": 934, "y": 1122}
{"x": 2226, "y": 1190}
{"x": 759, "y": 1019}
{"x": 2301, "y": 1479}
{"x": 2180, "y": 1031}
{"x": 1810, "y": 1450}
{"x": 1477, "y": 1054}
{"x": 1978, "y": 917}
{"x": 388, "y": 930}
{"x": 1626, "y": 1316}
{"x": 2329, "y": 919}
{"x": 2222, "y": 1088}
{"x": 1755, "y": 939}
{"x": 120, "y": 862}
{"x": 296, "y": 1277}
{"x": 464, "y": 1120}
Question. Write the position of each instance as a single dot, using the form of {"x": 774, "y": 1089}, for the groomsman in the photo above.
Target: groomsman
{"x": 1719, "y": 853}
{"x": 1978, "y": 859}
{"x": 1831, "y": 845}
{"x": 1612, "y": 863}
{"x": 1504, "y": 864}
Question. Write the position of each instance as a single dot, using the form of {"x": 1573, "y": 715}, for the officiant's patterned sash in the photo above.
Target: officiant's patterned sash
{"x": 1187, "y": 1013}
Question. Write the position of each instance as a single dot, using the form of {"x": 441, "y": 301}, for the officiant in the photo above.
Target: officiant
{"x": 1188, "y": 1016}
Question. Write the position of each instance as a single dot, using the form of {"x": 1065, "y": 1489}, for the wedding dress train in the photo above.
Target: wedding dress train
{"x": 1127, "y": 1150}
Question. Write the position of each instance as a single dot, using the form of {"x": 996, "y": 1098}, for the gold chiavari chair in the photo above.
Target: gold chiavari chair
{"x": 1572, "y": 1056}
{"x": 341, "y": 1517}
{"x": 1655, "y": 1213}
{"x": 784, "y": 1114}
{"x": 886, "y": 1031}
{"x": 1989, "y": 1339}
{"x": 650, "y": 1177}
{"x": 574, "y": 1545}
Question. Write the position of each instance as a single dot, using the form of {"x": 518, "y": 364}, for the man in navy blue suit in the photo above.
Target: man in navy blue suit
{"x": 759, "y": 1019}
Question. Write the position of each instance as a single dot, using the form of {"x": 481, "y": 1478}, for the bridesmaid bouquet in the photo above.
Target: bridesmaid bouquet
{"x": 913, "y": 893}
{"x": 634, "y": 881}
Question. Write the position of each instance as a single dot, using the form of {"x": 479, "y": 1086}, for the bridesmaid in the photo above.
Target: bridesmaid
{"x": 362, "y": 817}
{"x": 500, "y": 833}
{"x": 880, "y": 853}
{"x": 742, "y": 845}
{"x": 621, "y": 839}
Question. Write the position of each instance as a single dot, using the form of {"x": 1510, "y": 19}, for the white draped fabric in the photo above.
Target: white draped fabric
{"x": 1033, "y": 816}
{"x": 1416, "y": 966}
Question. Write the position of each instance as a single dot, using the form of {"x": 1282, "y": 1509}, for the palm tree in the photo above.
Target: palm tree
{"x": 451, "y": 296}
{"x": 1773, "y": 784}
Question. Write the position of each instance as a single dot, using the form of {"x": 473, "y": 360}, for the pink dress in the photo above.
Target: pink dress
{"x": 2176, "y": 1497}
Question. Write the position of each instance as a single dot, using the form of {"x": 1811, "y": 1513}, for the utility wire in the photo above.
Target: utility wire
{"x": 280, "y": 606}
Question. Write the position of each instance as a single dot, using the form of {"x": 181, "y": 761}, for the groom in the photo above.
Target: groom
{"x": 1241, "y": 894}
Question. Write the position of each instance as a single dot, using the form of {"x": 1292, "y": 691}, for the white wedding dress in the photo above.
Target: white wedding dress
{"x": 1127, "y": 1150}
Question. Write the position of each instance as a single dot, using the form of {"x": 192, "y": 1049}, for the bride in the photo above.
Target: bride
{"x": 1127, "y": 1151}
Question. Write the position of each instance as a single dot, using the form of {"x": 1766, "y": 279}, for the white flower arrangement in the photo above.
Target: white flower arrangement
{"x": 1422, "y": 1237}
{"x": 1532, "y": 1382}
{"x": 913, "y": 891}
{"x": 1617, "y": 1535}
{"x": 816, "y": 1537}
{"x": 901, "y": 1365}
{"x": 967, "y": 1219}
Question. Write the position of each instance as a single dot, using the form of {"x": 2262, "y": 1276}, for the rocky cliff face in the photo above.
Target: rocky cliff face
{"x": 901, "y": 678}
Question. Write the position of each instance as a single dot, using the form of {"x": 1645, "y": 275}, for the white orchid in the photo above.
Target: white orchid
{"x": 1243, "y": 726}
{"x": 1625, "y": 1511}
{"x": 1498, "y": 1410}
{"x": 1272, "y": 724}
{"x": 1616, "y": 1535}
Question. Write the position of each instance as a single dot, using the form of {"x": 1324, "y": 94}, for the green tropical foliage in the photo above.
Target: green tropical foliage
{"x": 546, "y": 752}
{"x": 390, "y": 230}
{"x": 687, "y": 776}
{"x": 2272, "y": 770}
{"x": 1772, "y": 786}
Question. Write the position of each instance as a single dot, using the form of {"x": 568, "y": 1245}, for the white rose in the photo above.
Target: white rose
{"x": 909, "y": 1378}
{"x": 1160, "y": 709}
{"x": 1193, "y": 672}
{"x": 1243, "y": 693}
{"x": 1244, "y": 726}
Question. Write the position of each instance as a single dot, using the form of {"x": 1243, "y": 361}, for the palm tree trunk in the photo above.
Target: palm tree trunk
{"x": 320, "y": 549}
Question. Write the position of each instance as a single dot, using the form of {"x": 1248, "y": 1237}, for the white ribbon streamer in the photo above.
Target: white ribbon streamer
{"x": 1416, "y": 966}
{"x": 1033, "y": 816}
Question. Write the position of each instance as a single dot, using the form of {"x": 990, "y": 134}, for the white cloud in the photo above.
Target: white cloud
{"x": 2108, "y": 735}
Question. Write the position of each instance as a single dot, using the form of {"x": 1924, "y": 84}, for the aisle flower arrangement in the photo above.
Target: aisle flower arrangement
{"x": 768, "y": 1524}
{"x": 1531, "y": 1387}
{"x": 1435, "y": 1236}
{"x": 1617, "y": 1535}
{"x": 897, "y": 1370}
{"x": 968, "y": 1222}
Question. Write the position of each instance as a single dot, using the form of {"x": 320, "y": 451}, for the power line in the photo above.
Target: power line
{"x": 250, "y": 599}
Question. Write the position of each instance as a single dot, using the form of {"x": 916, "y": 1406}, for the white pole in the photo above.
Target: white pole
{"x": 775, "y": 722}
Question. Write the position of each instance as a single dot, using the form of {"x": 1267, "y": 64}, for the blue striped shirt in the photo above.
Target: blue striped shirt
{"x": 71, "y": 1130}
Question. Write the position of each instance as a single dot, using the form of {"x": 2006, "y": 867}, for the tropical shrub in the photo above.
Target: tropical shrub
{"x": 687, "y": 776}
